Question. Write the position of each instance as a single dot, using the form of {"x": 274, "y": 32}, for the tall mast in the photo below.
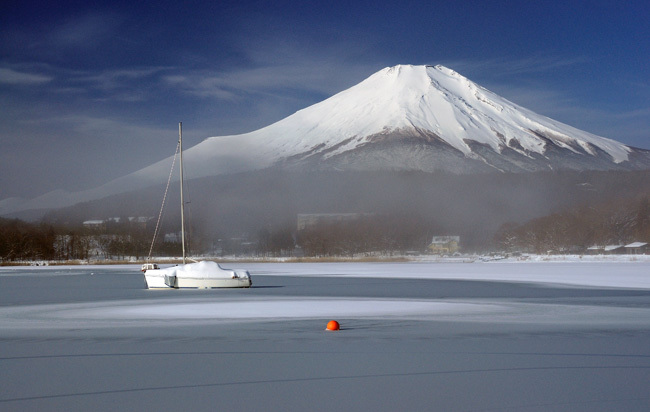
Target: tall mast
{"x": 180, "y": 144}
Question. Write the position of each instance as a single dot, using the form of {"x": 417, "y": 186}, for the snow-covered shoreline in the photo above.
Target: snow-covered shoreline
{"x": 470, "y": 258}
{"x": 629, "y": 272}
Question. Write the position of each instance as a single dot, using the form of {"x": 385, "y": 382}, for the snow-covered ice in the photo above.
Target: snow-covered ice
{"x": 617, "y": 274}
{"x": 534, "y": 336}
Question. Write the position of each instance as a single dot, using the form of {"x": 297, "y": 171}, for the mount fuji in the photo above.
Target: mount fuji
{"x": 425, "y": 118}
{"x": 416, "y": 118}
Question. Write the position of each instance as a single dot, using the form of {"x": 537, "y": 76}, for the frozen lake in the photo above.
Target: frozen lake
{"x": 569, "y": 336}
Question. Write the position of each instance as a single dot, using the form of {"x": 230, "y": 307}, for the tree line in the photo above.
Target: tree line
{"x": 574, "y": 230}
{"x": 383, "y": 234}
{"x": 23, "y": 241}
{"x": 569, "y": 231}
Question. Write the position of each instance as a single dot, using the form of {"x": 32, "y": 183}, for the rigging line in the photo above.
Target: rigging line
{"x": 171, "y": 172}
{"x": 188, "y": 213}
{"x": 188, "y": 205}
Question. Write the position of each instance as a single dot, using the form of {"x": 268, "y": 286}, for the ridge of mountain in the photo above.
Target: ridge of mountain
{"x": 416, "y": 118}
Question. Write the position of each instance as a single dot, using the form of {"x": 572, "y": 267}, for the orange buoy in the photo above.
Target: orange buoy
{"x": 333, "y": 325}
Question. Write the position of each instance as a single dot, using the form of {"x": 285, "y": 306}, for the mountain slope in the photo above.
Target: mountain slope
{"x": 421, "y": 118}
{"x": 416, "y": 118}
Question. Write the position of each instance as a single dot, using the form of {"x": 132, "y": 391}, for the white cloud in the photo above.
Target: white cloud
{"x": 84, "y": 31}
{"x": 201, "y": 84}
{"x": 10, "y": 76}
{"x": 125, "y": 85}
{"x": 500, "y": 67}
{"x": 628, "y": 126}
{"x": 308, "y": 77}
{"x": 107, "y": 128}
{"x": 279, "y": 65}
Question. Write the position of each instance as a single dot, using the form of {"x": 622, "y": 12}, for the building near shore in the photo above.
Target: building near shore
{"x": 444, "y": 245}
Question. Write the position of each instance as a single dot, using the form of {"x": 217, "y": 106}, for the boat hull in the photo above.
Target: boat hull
{"x": 199, "y": 283}
{"x": 155, "y": 280}
{"x": 201, "y": 275}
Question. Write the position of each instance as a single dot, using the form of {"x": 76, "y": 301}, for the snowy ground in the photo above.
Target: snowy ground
{"x": 569, "y": 335}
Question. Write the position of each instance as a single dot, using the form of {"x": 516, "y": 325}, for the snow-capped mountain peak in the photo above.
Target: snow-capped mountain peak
{"x": 431, "y": 117}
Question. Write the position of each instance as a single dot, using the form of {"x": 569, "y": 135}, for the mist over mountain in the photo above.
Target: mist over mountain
{"x": 427, "y": 120}
{"x": 471, "y": 206}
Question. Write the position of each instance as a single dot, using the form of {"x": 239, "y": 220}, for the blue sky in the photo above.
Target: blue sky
{"x": 91, "y": 91}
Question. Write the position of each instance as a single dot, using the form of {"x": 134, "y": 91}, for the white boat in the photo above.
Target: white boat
{"x": 199, "y": 275}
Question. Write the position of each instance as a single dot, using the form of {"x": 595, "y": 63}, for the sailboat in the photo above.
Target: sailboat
{"x": 198, "y": 275}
